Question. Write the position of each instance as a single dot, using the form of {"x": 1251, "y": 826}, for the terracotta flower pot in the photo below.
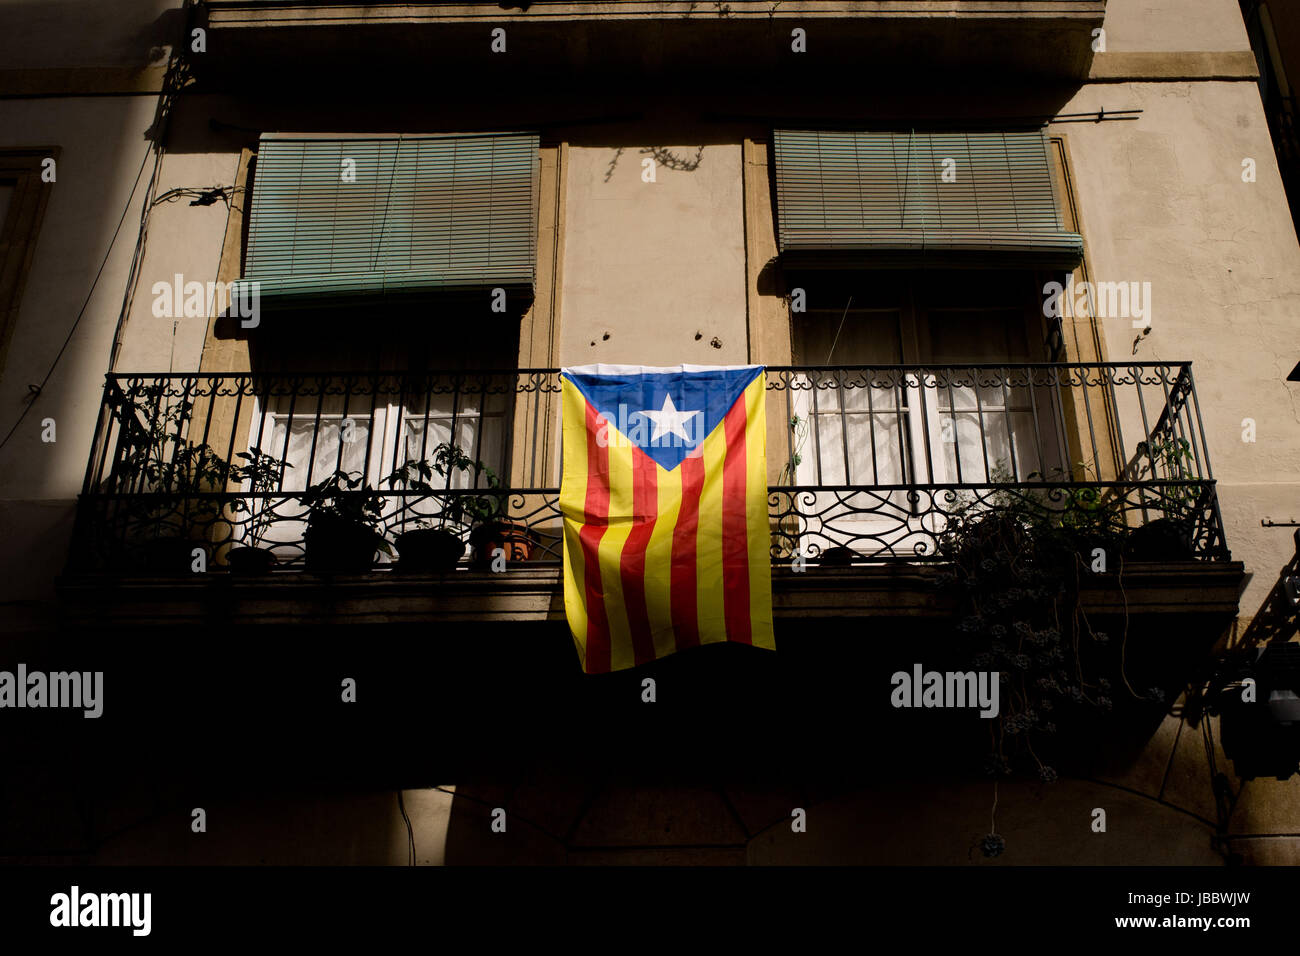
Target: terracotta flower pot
{"x": 512, "y": 537}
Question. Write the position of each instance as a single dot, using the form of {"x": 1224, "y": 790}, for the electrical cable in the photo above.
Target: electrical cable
{"x": 410, "y": 831}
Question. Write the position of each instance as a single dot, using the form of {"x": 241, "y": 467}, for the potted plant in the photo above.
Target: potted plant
{"x": 1169, "y": 538}
{"x": 1089, "y": 517}
{"x": 181, "y": 507}
{"x": 165, "y": 484}
{"x": 492, "y": 531}
{"x": 343, "y": 525}
{"x": 431, "y": 545}
{"x": 491, "y": 528}
{"x": 484, "y": 514}
{"x": 262, "y": 472}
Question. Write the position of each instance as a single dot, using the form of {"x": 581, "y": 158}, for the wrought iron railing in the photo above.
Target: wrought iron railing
{"x": 866, "y": 464}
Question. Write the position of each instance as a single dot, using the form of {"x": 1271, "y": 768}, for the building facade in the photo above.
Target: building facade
{"x": 1017, "y": 255}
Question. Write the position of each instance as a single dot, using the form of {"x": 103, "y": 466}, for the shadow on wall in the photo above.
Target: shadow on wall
{"x": 661, "y": 156}
{"x": 89, "y": 33}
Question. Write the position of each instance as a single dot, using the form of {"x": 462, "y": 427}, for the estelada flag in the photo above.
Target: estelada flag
{"x": 664, "y": 498}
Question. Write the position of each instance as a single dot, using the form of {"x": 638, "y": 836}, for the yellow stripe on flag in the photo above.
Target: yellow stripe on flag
{"x": 759, "y": 531}
{"x": 621, "y": 513}
{"x": 573, "y": 506}
{"x": 659, "y": 562}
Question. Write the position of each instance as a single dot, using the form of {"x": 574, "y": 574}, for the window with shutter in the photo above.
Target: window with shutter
{"x": 334, "y": 220}
{"x": 897, "y": 199}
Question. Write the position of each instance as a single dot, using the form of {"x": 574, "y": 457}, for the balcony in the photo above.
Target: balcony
{"x": 868, "y": 470}
{"x": 436, "y": 40}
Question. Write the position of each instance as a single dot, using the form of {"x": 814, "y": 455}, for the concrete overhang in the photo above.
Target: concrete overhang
{"x": 907, "y": 40}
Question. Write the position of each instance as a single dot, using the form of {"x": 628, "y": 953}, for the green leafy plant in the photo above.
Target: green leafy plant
{"x": 1015, "y": 570}
{"x": 345, "y": 498}
{"x": 1171, "y": 459}
{"x": 177, "y": 476}
{"x": 1088, "y": 514}
{"x": 262, "y": 472}
{"x": 1012, "y": 573}
{"x": 799, "y": 428}
{"x": 457, "y": 508}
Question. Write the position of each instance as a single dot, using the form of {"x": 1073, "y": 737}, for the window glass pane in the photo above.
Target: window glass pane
{"x": 854, "y": 416}
{"x": 987, "y": 421}
{"x": 337, "y": 445}
{"x": 863, "y": 338}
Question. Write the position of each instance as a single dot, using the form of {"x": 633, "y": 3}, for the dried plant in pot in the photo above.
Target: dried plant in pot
{"x": 263, "y": 473}
{"x": 343, "y": 525}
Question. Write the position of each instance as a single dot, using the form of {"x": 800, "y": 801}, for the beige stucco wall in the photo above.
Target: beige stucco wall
{"x": 1149, "y": 26}
{"x": 184, "y": 240}
{"x": 653, "y": 263}
{"x": 102, "y": 143}
{"x": 78, "y": 45}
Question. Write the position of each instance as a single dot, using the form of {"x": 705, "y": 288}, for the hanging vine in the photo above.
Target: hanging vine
{"x": 1016, "y": 568}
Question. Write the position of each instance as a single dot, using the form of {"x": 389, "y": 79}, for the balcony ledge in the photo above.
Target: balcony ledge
{"x": 534, "y": 594}
{"x": 267, "y": 13}
{"x": 440, "y": 42}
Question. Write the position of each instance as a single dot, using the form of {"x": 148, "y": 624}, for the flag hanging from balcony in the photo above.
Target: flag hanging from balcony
{"x": 664, "y": 498}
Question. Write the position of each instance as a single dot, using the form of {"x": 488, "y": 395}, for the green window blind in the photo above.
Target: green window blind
{"x": 338, "y": 218}
{"x": 885, "y": 197}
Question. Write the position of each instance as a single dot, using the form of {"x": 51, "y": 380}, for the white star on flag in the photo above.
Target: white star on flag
{"x": 669, "y": 421}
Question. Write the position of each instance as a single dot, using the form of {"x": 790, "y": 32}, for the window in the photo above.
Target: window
{"x": 921, "y": 256}
{"x": 366, "y": 247}
{"x": 935, "y": 391}
{"x": 344, "y": 220}
{"x": 22, "y": 207}
{"x": 874, "y": 199}
{"x": 318, "y": 425}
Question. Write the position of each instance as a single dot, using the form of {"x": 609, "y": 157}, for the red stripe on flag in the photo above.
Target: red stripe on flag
{"x": 686, "y": 624}
{"x": 595, "y": 520}
{"x": 645, "y": 510}
{"x": 735, "y": 537}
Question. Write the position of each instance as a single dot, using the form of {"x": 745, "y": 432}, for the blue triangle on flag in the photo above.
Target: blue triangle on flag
{"x": 666, "y": 412}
